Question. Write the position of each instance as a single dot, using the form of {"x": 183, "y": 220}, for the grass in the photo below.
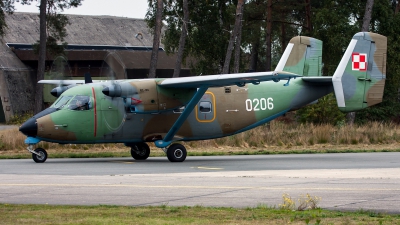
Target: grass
{"x": 274, "y": 138}
{"x": 164, "y": 214}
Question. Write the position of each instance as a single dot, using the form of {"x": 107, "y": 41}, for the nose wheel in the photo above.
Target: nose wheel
{"x": 39, "y": 155}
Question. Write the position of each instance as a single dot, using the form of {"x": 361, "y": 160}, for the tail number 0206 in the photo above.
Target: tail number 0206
{"x": 259, "y": 104}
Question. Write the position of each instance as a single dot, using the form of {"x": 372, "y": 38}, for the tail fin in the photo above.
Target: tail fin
{"x": 303, "y": 56}
{"x": 359, "y": 80}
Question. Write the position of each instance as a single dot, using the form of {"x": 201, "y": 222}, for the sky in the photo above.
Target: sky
{"x": 123, "y": 8}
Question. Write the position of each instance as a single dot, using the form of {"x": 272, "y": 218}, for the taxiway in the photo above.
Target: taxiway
{"x": 349, "y": 181}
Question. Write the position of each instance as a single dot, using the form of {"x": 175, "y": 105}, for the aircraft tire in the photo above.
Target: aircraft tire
{"x": 140, "y": 151}
{"x": 41, "y": 158}
{"x": 176, "y": 153}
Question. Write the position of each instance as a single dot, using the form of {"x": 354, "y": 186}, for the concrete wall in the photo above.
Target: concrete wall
{"x": 16, "y": 86}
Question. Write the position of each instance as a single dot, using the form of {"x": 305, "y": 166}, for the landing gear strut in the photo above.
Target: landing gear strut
{"x": 176, "y": 153}
{"x": 140, "y": 151}
{"x": 39, "y": 155}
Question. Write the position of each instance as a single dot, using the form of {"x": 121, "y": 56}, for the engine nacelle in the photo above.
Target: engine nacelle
{"x": 146, "y": 96}
{"x": 57, "y": 91}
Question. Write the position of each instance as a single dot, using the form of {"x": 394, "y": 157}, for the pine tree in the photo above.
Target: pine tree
{"x": 182, "y": 40}
{"x": 156, "y": 40}
{"x": 6, "y": 6}
{"x": 52, "y": 30}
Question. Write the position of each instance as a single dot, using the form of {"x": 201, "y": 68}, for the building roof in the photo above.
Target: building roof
{"x": 89, "y": 38}
{"x": 82, "y": 30}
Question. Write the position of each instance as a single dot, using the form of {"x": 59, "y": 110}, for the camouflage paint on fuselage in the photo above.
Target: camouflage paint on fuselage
{"x": 224, "y": 111}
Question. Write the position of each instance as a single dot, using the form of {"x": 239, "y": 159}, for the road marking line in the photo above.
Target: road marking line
{"x": 209, "y": 168}
{"x": 197, "y": 187}
{"x": 119, "y": 161}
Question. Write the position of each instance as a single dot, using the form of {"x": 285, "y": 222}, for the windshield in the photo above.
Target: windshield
{"x": 80, "y": 102}
{"x": 61, "y": 102}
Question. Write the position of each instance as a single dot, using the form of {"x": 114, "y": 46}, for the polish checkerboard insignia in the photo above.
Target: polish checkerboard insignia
{"x": 359, "y": 61}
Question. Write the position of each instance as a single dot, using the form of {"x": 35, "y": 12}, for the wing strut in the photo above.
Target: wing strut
{"x": 181, "y": 119}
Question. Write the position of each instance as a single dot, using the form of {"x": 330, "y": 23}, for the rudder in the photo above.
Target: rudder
{"x": 359, "y": 79}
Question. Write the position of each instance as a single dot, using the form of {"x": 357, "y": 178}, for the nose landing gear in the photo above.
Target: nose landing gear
{"x": 39, "y": 155}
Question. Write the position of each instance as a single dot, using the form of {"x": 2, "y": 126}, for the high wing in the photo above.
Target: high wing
{"x": 239, "y": 79}
{"x": 67, "y": 82}
{"x": 62, "y": 82}
{"x": 88, "y": 79}
{"x": 221, "y": 80}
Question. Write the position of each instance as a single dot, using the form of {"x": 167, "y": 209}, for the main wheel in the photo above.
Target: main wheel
{"x": 140, "y": 151}
{"x": 176, "y": 153}
{"x": 41, "y": 155}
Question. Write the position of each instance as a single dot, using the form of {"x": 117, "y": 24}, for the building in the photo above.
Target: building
{"x": 104, "y": 46}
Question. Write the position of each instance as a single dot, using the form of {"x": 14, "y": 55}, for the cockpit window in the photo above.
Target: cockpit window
{"x": 61, "y": 102}
{"x": 80, "y": 102}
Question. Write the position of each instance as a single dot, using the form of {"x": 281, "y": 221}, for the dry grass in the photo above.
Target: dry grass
{"x": 280, "y": 135}
{"x": 277, "y": 137}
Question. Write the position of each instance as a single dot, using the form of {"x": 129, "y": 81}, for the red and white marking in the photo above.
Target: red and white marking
{"x": 359, "y": 61}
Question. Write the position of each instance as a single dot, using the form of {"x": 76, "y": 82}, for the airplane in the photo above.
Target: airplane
{"x": 166, "y": 111}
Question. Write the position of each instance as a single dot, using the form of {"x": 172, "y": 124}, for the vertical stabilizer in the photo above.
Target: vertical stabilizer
{"x": 359, "y": 80}
{"x": 303, "y": 56}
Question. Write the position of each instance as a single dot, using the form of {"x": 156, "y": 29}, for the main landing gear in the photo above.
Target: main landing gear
{"x": 140, "y": 151}
{"x": 175, "y": 152}
{"x": 39, "y": 155}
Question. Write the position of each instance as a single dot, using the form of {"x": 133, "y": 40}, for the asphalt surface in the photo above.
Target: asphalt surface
{"x": 349, "y": 181}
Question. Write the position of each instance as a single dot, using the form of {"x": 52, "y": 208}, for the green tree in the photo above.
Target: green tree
{"x": 323, "y": 112}
{"x": 52, "y": 30}
{"x": 6, "y": 6}
{"x": 234, "y": 41}
{"x": 208, "y": 31}
{"x": 157, "y": 37}
{"x": 182, "y": 40}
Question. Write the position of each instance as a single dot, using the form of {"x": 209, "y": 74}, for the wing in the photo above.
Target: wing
{"x": 65, "y": 82}
{"x": 239, "y": 79}
{"x": 62, "y": 82}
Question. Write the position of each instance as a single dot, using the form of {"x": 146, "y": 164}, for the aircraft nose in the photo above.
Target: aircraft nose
{"x": 29, "y": 128}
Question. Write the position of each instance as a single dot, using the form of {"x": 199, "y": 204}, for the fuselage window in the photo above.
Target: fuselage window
{"x": 61, "y": 102}
{"x": 205, "y": 107}
{"x": 80, "y": 102}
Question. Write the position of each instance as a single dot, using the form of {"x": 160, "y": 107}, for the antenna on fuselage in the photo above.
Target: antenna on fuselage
{"x": 88, "y": 78}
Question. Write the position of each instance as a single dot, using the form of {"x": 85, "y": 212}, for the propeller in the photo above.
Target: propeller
{"x": 60, "y": 71}
{"x": 113, "y": 68}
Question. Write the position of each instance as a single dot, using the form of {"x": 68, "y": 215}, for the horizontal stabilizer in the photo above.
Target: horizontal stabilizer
{"x": 321, "y": 80}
